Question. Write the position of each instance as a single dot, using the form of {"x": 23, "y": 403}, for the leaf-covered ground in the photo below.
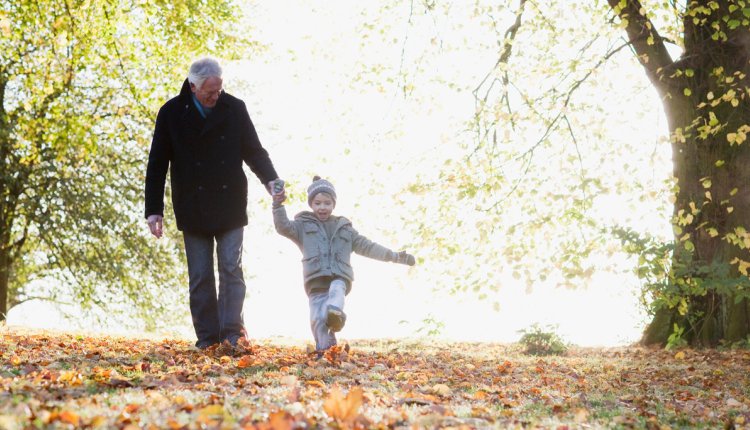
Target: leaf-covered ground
{"x": 53, "y": 380}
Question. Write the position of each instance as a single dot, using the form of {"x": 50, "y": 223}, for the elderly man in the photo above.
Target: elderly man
{"x": 205, "y": 135}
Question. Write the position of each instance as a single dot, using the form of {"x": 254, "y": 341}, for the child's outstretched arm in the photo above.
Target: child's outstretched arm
{"x": 364, "y": 246}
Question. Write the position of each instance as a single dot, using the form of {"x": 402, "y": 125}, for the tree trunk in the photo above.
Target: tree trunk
{"x": 4, "y": 282}
{"x": 706, "y": 101}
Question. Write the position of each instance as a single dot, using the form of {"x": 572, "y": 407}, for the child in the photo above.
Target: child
{"x": 326, "y": 242}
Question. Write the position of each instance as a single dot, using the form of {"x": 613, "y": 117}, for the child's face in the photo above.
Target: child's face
{"x": 322, "y": 206}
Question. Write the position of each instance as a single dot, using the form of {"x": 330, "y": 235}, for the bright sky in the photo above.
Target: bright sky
{"x": 366, "y": 139}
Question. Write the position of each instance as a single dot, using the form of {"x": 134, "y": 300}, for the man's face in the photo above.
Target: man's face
{"x": 208, "y": 93}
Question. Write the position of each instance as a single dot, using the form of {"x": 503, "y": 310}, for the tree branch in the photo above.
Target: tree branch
{"x": 649, "y": 46}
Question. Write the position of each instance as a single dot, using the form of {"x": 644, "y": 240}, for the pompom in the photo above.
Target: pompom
{"x": 316, "y": 178}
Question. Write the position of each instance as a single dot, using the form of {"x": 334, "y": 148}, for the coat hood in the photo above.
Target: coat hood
{"x": 308, "y": 216}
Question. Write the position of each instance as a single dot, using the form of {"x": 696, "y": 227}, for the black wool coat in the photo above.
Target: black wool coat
{"x": 204, "y": 158}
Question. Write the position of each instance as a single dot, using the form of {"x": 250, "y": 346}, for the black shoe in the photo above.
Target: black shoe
{"x": 204, "y": 344}
{"x": 336, "y": 318}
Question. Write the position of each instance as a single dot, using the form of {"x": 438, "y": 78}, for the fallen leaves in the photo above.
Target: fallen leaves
{"x": 61, "y": 380}
{"x": 344, "y": 409}
{"x": 245, "y": 361}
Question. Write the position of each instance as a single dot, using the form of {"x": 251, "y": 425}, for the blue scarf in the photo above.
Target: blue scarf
{"x": 204, "y": 111}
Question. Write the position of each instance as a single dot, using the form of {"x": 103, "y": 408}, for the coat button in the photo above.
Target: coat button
{"x": 200, "y": 188}
{"x": 222, "y": 161}
{"x": 222, "y": 137}
{"x": 198, "y": 163}
{"x": 224, "y": 187}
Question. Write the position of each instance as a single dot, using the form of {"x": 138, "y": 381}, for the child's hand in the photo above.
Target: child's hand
{"x": 278, "y": 192}
{"x": 404, "y": 258}
{"x": 278, "y": 199}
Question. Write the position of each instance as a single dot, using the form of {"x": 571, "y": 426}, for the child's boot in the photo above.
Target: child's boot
{"x": 336, "y": 318}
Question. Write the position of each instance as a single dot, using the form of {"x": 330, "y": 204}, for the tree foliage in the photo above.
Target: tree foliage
{"x": 555, "y": 152}
{"x": 80, "y": 83}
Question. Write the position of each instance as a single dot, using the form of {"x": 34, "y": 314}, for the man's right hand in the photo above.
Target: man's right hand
{"x": 155, "y": 225}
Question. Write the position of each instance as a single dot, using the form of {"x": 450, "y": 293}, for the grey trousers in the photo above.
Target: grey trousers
{"x": 216, "y": 318}
{"x": 319, "y": 302}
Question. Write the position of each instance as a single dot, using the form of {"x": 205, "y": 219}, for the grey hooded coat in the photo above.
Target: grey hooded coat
{"x": 324, "y": 256}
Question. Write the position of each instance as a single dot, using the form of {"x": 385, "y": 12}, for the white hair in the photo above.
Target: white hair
{"x": 203, "y": 69}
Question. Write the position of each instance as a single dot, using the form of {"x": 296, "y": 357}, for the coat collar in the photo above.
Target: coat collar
{"x": 307, "y": 216}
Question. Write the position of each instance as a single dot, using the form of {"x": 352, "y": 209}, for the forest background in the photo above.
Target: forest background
{"x": 518, "y": 149}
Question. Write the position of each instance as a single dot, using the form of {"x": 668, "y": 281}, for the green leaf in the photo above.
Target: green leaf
{"x": 689, "y": 246}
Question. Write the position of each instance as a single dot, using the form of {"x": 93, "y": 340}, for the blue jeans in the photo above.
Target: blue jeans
{"x": 216, "y": 319}
{"x": 319, "y": 301}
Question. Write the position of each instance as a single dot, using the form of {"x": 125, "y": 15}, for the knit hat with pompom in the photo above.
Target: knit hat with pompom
{"x": 320, "y": 186}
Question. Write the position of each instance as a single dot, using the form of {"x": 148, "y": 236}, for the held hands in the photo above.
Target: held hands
{"x": 155, "y": 224}
{"x": 403, "y": 258}
{"x": 278, "y": 192}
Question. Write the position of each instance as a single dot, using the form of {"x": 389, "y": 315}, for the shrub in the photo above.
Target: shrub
{"x": 540, "y": 341}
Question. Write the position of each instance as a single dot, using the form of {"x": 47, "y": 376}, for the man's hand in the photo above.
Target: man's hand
{"x": 278, "y": 192}
{"x": 155, "y": 225}
{"x": 276, "y": 187}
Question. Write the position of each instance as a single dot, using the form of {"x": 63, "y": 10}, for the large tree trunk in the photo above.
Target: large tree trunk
{"x": 711, "y": 168}
{"x": 4, "y": 282}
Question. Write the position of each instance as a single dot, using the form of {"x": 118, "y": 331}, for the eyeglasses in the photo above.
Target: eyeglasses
{"x": 216, "y": 93}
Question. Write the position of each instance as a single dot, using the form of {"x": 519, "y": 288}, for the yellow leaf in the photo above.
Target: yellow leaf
{"x": 70, "y": 418}
{"x": 680, "y": 356}
{"x": 211, "y": 411}
{"x": 225, "y": 359}
{"x": 441, "y": 389}
{"x": 480, "y": 395}
{"x": 98, "y": 421}
{"x": 581, "y": 416}
{"x": 245, "y": 361}
{"x": 72, "y": 377}
{"x": 343, "y": 408}
{"x": 315, "y": 383}
{"x": 5, "y": 25}
{"x": 712, "y": 119}
{"x": 281, "y": 420}
{"x": 742, "y": 266}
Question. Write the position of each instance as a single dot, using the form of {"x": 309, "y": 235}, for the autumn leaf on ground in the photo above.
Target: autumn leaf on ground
{"x": 342, "y": 408}
{"x": 245, "y": 361}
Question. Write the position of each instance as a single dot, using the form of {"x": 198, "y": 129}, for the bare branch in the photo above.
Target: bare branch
{"x": 505, "y": 52}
